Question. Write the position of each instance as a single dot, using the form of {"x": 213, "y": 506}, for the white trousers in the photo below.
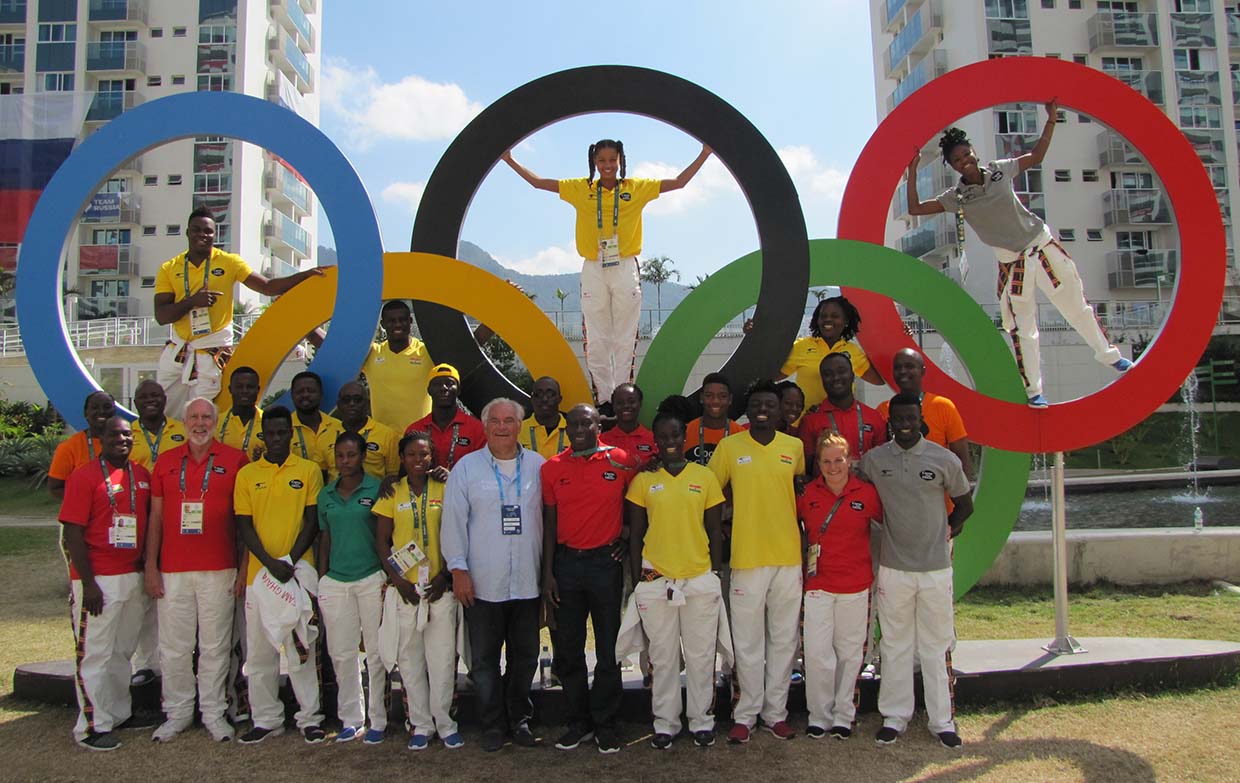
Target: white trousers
{"x": 691, "y": 630}
{"x": 262, "y": 671}
{"x": 766, "y": 609}
{"x": 196, "y": 611}
{"x": 427, "y": 662}
{"x": 146, "y": 656}
{"x": 104, "y": 643}
{"x": 171, "y": 375}
{"x": 238, "y": 691}
{"x": 1062, "y": 286}
{"x": 611, "y": 307}
{"x": 915, "y": 609}
{"x": 836, "y": 627}
{"x": 351, "y": 614}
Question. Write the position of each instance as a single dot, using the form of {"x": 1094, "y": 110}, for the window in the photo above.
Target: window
{"x": 1016, "y": 121}
{"x": 157, "y": 32}
{"x": 1007, "y": 9}
{"x": 1200, "y": 117}
{"x": 1122, "y": 64}
{"x": 1193, "y": 6}
{"x": 1089, "y": 175}
{"x": 1118, "y": 5}
{"x": 148, "y": 282}
{"x": 1067, "y": 235}
{"x": 172, "y": 230}
{"x": 1061, "y": 116}
{"x": 150, "y": 180}
{"x": 154, "y": 81}
{"x": 1093, "y": 234}
{"x": 57, "y": 33}
{"x": 212, "y": 183}
{"x": 110, "y": 236}
{"x": 1074, "y": 5}
{"x": 174, "y": 179}
{"x": 115, "y": 185}
{"x": 178, "y": 80}
{"x": 1048, "y": 3}
{"x": 1080, "y": 59}
{"x": 1083, "y": 119}
{"x": 1195, "y": 59}
{"x": 1132, "y": 180}
{"x": 149, "y": 231}
{"x": 1134, "y": 240}
{"x": 118, "y": 36}
{"x": 55, "y": 82}
{"x": 11, "y": 88}
{"x": 217, "y": 34}
{"x": 214, "y": 82}
{"x": 1054, "y": 56}
{"x": 179, "y": 32}
{"x": 1063, "y": 175}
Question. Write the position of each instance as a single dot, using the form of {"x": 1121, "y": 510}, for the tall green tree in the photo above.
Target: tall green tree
{"x": 659, "y": 270}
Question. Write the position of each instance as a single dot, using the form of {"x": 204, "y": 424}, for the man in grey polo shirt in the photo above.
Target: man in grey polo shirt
{"x": 491, "y": 540}
{"x": 914, "y": 585}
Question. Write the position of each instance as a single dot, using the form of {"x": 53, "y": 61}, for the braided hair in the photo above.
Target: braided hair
{"x": 675, "y": 408}
{"x": 952, "y": 138}
{"x": 606, "y": 144}
{"x": 851, "y": 315}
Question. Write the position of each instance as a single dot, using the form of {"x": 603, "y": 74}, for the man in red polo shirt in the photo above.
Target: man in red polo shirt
{"x": 841, "y": 412}
{"x": 454, "y": 432}
{"x": 583, "y": 501}
{"x": 629, "y": 434}
{"x": 191, "y": 567}
{"x": 103, "y": 519}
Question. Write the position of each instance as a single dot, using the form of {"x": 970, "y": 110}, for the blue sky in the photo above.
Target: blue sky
{"x": 402, "y": 78}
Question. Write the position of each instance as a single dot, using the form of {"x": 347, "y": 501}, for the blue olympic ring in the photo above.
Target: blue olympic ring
{"x": 329, "y": 174}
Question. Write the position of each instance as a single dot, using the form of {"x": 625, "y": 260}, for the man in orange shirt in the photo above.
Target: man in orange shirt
{"x": 945, "y": 427}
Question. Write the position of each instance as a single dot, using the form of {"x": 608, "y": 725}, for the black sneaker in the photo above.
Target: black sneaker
{"x": 573, "y": 737}
{"x": 815, "y": 732}
{"x": 522, "y": 736}
{"x": 137, "y": 721}
{"x": 950, "y": 740}
{"x": 704, "y": 738}
{"x": 492, "y": 740}
{"x": 142, "y": 677}
{"x": 607, "y": 741}
{"x": 661, "y": 741}
{"x": 258, "y": 734}
{"x": 840, "y": 732}
{"x": 886, "y": 735}
{"x": 313, "y": 735}
{"x": 101, "y": 741}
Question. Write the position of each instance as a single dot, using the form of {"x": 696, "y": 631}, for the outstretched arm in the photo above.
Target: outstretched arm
{"x": 275, "y": 286}
{"x": 915, "y": 205}
{"x": 542, "y": 183}
{"x": 1034, "y": 157}
{"x": 683, "y": 178}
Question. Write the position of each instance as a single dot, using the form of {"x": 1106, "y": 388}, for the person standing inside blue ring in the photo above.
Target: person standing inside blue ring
{"x": 609, "y": 239}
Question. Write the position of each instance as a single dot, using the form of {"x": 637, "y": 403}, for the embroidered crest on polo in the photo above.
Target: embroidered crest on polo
{"x": 296, "y": 483}
{"x": 928, "y": 475}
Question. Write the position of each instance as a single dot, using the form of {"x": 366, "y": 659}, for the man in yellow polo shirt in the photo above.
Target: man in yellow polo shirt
{"x": 153, "y": 432}
{"x": 194, "y": 293}
{"x": 543, "y": 432}
{"x": 382, "y": 454}
{"x": 314, "y": 432}
{"x": 397, "y": 370}
{"x": 275, "y": 500}
{"x": 761, "y": 466}
{"x": 241, "y": 426}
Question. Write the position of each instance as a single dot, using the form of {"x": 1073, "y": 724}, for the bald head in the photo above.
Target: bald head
{"x": 908, "y": 367}
{"x": 353, "y": 403}
{"x": 581, "y": 427}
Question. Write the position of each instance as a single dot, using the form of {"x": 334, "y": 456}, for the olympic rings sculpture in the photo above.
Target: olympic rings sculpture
{"x": 873, "y": 275}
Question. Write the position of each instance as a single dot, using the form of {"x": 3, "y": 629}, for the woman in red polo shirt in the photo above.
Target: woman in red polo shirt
{"x": 836, "y": 510}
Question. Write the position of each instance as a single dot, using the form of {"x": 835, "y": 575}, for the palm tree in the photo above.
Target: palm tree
{"x": 819, "y": 293}
{"x": 658, "y": 270}
{"x": 697, "y": 282}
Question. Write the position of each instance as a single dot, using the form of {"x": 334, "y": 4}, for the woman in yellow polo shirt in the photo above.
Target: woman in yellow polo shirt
{"x": 407, "y": 540}
{"x": 609, "y": 239}
{"x": 674, "y": 520}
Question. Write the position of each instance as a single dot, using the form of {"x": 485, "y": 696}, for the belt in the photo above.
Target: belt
{"x": 598, "y": 550}
{"x": 650, "y": 575}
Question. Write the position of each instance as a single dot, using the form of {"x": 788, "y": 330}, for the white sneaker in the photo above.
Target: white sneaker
{"x": 169, "y": 730}
{"x": 220, "y": 731}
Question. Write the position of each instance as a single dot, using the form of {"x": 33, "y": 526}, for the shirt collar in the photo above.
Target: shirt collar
{"x": 369, "y": 483}
{"x": 917, "y": 448}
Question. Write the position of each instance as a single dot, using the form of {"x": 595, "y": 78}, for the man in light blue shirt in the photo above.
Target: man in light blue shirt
{"x": 491, "y": 539}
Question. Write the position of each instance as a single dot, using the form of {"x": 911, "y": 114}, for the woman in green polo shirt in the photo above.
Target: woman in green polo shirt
{"x": 351, "y": 588}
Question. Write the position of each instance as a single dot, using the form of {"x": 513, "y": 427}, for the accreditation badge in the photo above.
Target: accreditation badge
{"x": 200, "y": 321}
{"x": 407, "y": 558}
{"x": 814, "y": 551}
{"x": 191, "y": 517}
{"x": 510, "y": 520}
{"x": 124, "y": 531}
{"x": 609, "y": 251}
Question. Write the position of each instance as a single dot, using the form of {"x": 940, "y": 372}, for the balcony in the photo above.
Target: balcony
{"x": 1199, "y": 88}
{"x": 931, "y": 67}
{"x": 920, "y": 33}
{"x": 13, "y": 13}
{"x": 116, "y": 56}
{"x": 110, "y": 105}
{"x": 92, "y": 307}
{"x": 285, "y": 190}
{"x": 278, "y": 267}
{"x": 1148, "y": 83}
{"x": 117, "y": 11}
{"x": 289, "y": 60}
{"x": 289, "y": 15}
{"x": 1135, "y": 207}
{"x": 1224, "y": 204}
{"x": 309, "y": 6}
{"x": 931, "y": 180}
{"x": 108, "y": 260}
{"x": 13, "y": 58}
{"x": 1009, "y": 36}
{"x": 112, "y": 208}
{"x": 1192, "y": 31}
{"x": 283, "y": 232}
{"x": 1233, "y": 29}
{"x": 1141, "y": 268}
{"x": 935, "y": 236}
{"x": 1208, "y": 144}
{"x": 1122, "y": 30}
{"x": 1114, "y": 151}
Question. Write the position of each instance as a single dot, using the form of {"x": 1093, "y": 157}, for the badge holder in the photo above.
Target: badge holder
{"x": 409, "y": 557}
{"x": 510, "y": 520}
{"x": 124, "y": 531}
{"x": 200, "y": 321}
{"x": 191, "y": 517}
{"x": 609, "y": 251}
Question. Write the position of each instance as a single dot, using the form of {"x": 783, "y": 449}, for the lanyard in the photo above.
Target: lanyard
{"x": 206, "y": 474}
{"x": 702, "y": 456}
{"x": 423, "y": 521}
{"x": 153, "y": 446}
{"x": 107, "y": 481}
{"x": 456, "y": 432}
{"x": 301, "y": 441}
{"x": 499, "y": 479}
{"x": 615, "y": 208}
{"x": 830, "y": 516}
{"x": 245, "y": 443}
{"x": 860, "y": 430}
{"x": 206, "y": 272}
{"x": 90, "y": 445}
{"x": 533, "y": 441}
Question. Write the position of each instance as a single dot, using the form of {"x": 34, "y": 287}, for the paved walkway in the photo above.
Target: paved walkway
{"x": 47, "y": 521}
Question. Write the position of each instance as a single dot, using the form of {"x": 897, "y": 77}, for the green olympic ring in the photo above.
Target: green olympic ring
{"x": 1002, "y": 476}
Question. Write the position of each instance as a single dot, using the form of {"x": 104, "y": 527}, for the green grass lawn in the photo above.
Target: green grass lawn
{"x": 1159, "y": 442}
{"x": 18, "y": 499}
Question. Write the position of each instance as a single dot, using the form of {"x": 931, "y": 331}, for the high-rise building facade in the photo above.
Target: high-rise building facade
{"x": 1098, "y": 195}
{"x": 123, "y": 53}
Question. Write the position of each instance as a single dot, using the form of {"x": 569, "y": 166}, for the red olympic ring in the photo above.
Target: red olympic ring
{"x": 1198, "y": 291}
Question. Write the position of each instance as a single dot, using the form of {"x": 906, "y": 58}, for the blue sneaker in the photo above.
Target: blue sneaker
{"x": 1123, "y": 365}
{"x": 1038, "y": 401}
{"x": 453, "y": 741}
{"x": 347, "y": 734}
{"x": 374, "y": 736}
{"x": 419, "y": 742}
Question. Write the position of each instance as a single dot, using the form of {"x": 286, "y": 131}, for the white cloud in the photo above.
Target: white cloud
{"x": 821, "y": 188}
{"x": 411, "y": 109}
{"x": 554, "y": 260}
{"x": 408, "y": 194}
{"x": 713, "y": 178}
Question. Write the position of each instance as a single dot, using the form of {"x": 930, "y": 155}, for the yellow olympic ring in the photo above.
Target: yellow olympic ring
{"x": 427, "y": 278}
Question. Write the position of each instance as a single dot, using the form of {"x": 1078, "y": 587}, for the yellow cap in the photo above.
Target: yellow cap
{"x": 445, "y": 371}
